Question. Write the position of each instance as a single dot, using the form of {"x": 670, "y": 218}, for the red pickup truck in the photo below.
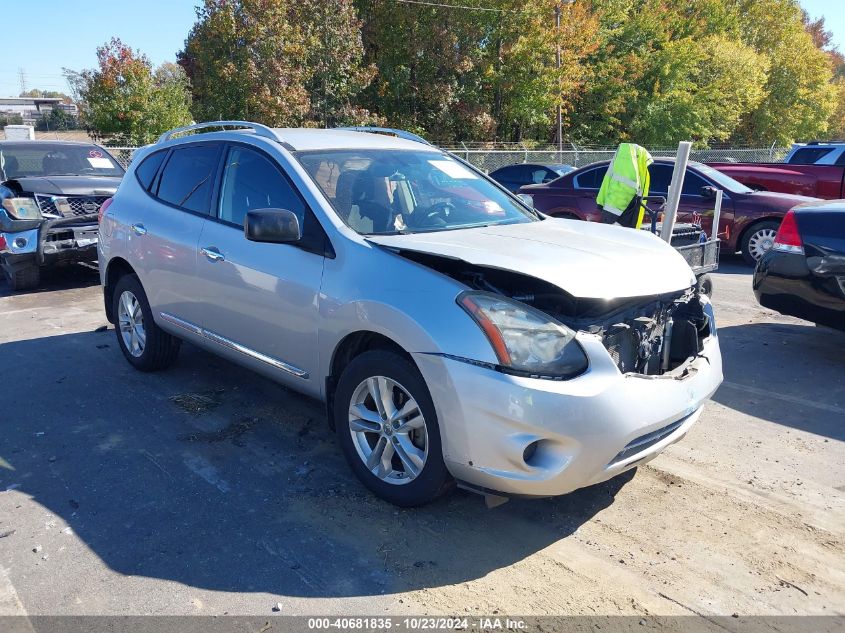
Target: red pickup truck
{"x": 818, "y": 181}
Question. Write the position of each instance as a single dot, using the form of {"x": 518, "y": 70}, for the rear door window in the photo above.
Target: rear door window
{"x": 591, "y": 179}
{"x": 188, "y": 177}
{"x": 809, "y": 155}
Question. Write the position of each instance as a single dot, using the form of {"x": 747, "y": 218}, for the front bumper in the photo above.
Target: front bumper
{"x": 578, "y": 432}
{"x": 54, "y": 241}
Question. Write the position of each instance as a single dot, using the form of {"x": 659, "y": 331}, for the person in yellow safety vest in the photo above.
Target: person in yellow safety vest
{"x": 624, "y": 186}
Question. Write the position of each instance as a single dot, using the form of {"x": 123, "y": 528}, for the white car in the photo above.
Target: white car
{"x": 455, "y": 334}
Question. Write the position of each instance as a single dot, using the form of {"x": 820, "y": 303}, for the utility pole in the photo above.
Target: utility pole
{"x": 22, "y": 79}
{"x": 559, "y": 87}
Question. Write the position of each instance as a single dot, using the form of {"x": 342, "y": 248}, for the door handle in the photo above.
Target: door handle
{"x": 139, "y": 229}
{"x": 212, "y": 254}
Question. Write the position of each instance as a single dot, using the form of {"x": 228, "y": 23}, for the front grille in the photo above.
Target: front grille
{"x": 70, "y": 206}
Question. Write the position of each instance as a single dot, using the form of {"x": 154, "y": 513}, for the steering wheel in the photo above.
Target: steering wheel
{"x": 435, "y": 215}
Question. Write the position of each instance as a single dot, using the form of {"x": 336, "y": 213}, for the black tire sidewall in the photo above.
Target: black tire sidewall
{"x": 705, "y": 285}
{"x": 146, "y": 361}
{"x": 434, "y": 479}
{"x": 746, "y": 238}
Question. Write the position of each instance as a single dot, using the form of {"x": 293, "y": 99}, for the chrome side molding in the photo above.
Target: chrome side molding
{"x": 233, "y": 345}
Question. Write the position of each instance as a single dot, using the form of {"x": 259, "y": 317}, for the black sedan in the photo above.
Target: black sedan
{"x": 803, "y": 275}
{"x": 513, "y": 177}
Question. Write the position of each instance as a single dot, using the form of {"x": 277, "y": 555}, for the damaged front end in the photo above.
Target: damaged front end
{"x": 648, "y": 336}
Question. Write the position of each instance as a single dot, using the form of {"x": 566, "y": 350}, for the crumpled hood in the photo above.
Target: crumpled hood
{"x": 586, "y": 259}
{"x": 70, "y": 185}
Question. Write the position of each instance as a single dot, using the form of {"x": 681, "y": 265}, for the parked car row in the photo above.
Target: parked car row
{"x": 749, "y": 218}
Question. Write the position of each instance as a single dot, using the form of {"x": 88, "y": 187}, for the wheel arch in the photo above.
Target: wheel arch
{"x": 117, "y": 268}
{"x": 348, "y": 348}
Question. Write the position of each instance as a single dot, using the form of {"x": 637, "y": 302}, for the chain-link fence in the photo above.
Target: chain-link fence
{"x": 492, "y": 157}
{"x": 122, "y": 155}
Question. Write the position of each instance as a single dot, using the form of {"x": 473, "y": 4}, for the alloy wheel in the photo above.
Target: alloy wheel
{"x": 761, "y": 241}
{"x": 130, "y": 320}
{"x": 388, "y": 430}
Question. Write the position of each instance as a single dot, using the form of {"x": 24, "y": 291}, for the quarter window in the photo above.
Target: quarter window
{"x": 188, "y": 177}
{"x": 253, "y": 182}
{"x": 148, "y": 168}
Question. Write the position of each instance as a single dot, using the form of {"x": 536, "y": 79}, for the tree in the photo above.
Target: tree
{"x": 57, "y": 119}
{"x": 278, "y": 62}
{"x": 475, "y": 72}
{"x": 46, "y": 94}
{"x": 667, "y": 71}
{"x": 125, "y": 100}
{"x": 800, "y": 96}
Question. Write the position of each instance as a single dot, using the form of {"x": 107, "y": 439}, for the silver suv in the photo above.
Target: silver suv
{"x": 455, "y": 334}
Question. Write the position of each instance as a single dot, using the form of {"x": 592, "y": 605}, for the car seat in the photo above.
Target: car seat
{"x": 10, "y": 166}
{"x": 363, "y": 196}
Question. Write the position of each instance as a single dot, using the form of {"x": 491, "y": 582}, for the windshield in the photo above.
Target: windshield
{"x": 722, "y": 180}
{"x": 399, "y": 191}
{"x": 36, "y": 158}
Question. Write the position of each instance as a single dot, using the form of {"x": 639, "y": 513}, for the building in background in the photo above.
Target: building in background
{"x": 31, "y": 109}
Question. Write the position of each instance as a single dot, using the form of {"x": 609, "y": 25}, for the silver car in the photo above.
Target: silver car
{"x": 456, "y": 335}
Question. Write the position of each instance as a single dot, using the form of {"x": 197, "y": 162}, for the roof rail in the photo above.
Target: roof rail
{"x": 408, "y": 136}
{"x": 260, "y": 130}
{"x": 833, "y": 141}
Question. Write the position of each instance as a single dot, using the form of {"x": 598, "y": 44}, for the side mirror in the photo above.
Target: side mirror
{"x": 277, "y": 226}
{"x": 708, "y": 192}
{"x": 527, "y": 199}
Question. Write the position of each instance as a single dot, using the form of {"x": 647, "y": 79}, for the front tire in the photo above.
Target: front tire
{"x": 705, "y": 285}
{"x": 758, "y": 240}
{"x": 387, "y": 428}
{"x": 145, "y": 345}
{"x": 25, "y": 278}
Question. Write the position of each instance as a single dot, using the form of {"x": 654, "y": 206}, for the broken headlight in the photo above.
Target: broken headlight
{"x": 526, "y": 341}
{"x": 21, "y": 208}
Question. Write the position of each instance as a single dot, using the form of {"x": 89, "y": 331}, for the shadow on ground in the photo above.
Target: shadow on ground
{"x": 59, "y": 278}
{"x": 211, "y": 476}
{"x": 793, "y": 375}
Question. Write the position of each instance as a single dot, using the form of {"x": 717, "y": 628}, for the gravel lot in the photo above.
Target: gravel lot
{"x": 207, "y": 489}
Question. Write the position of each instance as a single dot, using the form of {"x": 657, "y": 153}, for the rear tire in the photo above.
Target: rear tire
{"x": 145, "y": 345}
{"x": 757, "y": 240}
{"x": 405, "y": 451}
{"x": 25, "y": 278}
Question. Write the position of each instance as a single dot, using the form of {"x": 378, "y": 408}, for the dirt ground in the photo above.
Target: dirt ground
{"x": 207, "y": 489}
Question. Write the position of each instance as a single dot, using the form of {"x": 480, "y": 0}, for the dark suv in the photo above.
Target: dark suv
{"x": 51, "y": 193}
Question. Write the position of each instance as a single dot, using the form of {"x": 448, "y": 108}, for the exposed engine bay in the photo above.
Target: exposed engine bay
{"x": 649, "y": 336}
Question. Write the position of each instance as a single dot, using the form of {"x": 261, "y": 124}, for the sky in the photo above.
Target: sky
{"x": 68, "y": 34}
